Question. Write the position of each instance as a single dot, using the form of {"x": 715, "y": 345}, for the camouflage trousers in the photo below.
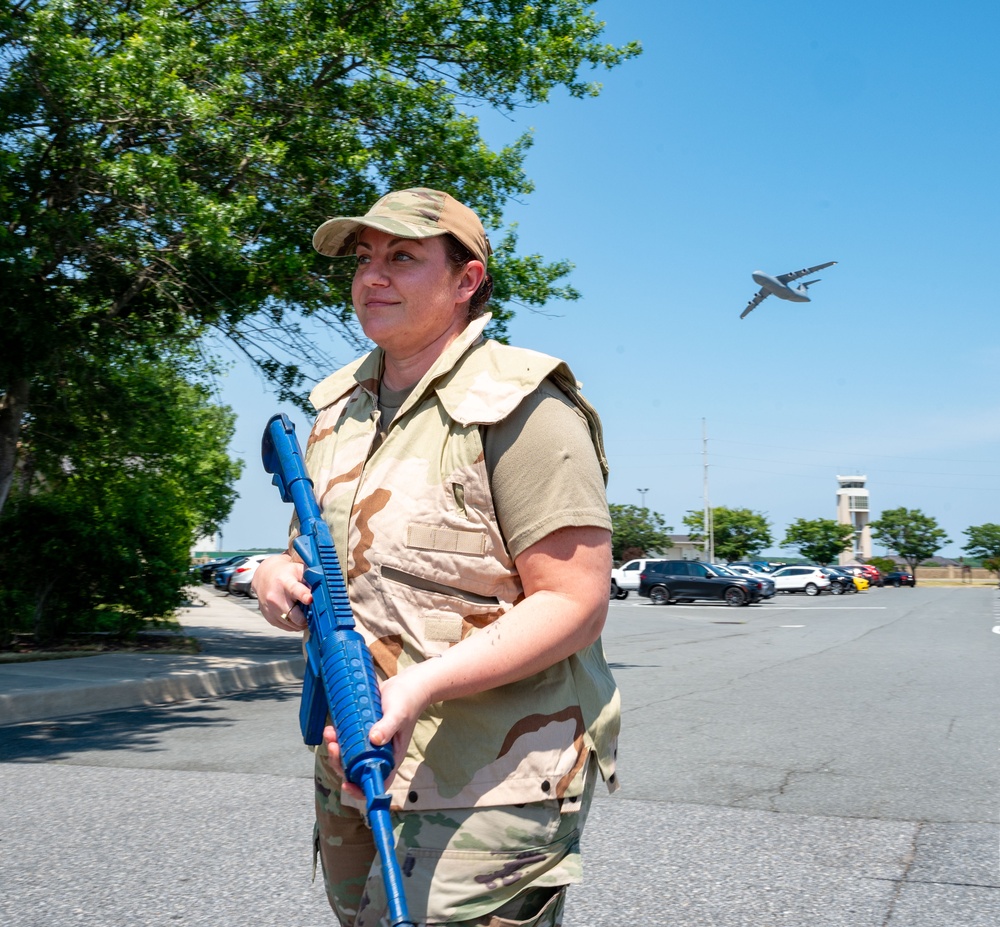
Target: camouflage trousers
{"x": 467, "y": 867}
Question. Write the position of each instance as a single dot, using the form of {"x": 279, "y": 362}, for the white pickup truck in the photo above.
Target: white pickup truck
{"x": 625, "y": 579}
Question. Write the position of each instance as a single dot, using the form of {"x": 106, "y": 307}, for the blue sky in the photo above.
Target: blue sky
{"x": 773, "y": 136}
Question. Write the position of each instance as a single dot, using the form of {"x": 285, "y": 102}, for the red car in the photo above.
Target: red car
{"x": 872, "y": 574}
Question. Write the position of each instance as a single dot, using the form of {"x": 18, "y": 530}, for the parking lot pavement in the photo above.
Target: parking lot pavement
{"x": 771, "y": 777}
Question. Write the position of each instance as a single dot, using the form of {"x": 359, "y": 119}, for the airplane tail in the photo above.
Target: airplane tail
{"x": 805, "y": 284}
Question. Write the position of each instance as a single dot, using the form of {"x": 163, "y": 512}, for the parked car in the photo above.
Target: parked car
{"x": 870, "y": 573}
{"x": 666, "y": 581}
{"x": 239, "y": 582}
{"x": 761, "y": 566}
{"x": 222, "y": 575}
{"x": 207, "y": 570}
{"x": 873, "y": 574}
{"x": 861, "y": 583}
{"x": 766, "y": 582}
{"x": 808, "y": 579}
{"x": 898, "y": 578}
{"x": 840, "y": 580}
{"x": 625, "y": 579}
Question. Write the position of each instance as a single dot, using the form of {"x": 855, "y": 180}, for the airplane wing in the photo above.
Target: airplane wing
{"x": 787, "y": 278}
{"x": 760, "y": 296}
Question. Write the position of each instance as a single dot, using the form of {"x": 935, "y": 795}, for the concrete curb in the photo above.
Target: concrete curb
{"x": 192, "y": 683}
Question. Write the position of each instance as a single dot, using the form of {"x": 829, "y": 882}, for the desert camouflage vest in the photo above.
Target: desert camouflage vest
{"x": 427, "y": 565}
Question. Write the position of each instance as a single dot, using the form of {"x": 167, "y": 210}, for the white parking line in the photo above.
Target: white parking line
{"x": 835, "y": 608}
{"x": 645, "y": 603}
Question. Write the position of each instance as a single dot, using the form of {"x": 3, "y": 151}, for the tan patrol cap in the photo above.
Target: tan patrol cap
{"x": 415, "y": 213}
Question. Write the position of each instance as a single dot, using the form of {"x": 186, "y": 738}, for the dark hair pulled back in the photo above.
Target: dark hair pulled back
{"x": 458, "y": 256}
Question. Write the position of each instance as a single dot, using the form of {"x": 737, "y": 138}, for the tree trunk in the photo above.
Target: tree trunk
{"x": 13, "y": 405}
{"x": 42, "y": 634}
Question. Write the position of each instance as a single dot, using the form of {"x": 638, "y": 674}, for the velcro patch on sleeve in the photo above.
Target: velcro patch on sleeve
{"x": 427, "y": 537}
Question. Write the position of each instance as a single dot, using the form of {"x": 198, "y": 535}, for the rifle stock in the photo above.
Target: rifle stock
{"x": 340, "y": 678}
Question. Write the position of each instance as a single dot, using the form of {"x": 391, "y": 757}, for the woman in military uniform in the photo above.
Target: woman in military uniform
{"x": 464, "y": 485}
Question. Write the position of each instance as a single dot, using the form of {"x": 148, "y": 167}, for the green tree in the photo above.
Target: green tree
{"x": 637, "y": 531}
{"x": 737, "y": 533}
{"x": 162, "y": 164}
{"x": 821, "y": 540}
{"x": 123, "y": 476}
{"x": 984, "y": 541}
{"x": 913, "y": 535}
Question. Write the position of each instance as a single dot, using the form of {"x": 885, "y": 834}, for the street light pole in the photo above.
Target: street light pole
{"x": 707, "y": 527}
{"x": 642, "y": 496}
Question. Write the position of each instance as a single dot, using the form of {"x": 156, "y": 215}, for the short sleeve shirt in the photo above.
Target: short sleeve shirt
{"x": 543, "y": 469}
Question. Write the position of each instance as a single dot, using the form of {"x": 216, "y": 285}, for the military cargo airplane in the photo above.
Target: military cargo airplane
{"x": 780, "y": 288}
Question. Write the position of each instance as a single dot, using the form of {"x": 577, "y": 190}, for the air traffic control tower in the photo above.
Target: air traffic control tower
{"x": 852, "y": 509}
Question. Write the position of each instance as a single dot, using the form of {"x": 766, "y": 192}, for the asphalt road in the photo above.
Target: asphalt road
{"x": 880, "y": 705}
{"x": 819, "y": 762}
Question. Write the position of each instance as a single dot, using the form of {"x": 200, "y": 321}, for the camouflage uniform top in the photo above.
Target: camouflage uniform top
{"x": 426, "y": 565}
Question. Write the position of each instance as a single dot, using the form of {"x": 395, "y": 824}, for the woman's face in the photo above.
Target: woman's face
{"x": 409, "y": 298}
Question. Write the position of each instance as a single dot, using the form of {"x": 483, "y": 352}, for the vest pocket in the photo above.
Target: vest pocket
{"x": 433, "y": 615}
{"x": 411, "y": 580}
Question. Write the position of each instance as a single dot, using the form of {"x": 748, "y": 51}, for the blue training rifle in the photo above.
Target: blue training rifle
{"x": 340, "y": 678}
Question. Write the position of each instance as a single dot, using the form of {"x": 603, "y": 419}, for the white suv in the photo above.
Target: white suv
{"x": 808, "y": 579}
{"x": 625, "y": 579}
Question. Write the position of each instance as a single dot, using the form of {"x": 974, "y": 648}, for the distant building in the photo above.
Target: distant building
{"x": 853, "y": 509}
{"x": 683, "y": 548}
{"x": 204, "y": 545}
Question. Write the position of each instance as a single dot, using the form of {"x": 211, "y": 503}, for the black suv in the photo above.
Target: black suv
{"x": 840, "y": 580}
{"x": 895, "y": 578}
{"x": 666, "y": 581}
